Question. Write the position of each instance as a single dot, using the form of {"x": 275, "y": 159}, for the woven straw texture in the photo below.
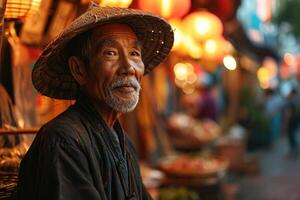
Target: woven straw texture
{"x": 8, "y": 184}
{"x": 51, "y": 75}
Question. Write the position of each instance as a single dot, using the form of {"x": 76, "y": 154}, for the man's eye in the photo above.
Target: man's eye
{"x": 135, "y": 53}
{"x": 110, "y": 53}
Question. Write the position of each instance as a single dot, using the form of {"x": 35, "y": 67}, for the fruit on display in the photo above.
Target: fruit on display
{"x": 188, "y": 132}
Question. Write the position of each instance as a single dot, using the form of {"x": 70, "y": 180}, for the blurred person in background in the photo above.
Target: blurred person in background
{"x": 206, "y": 104}
{"x": 292, "y": 120}
{"x": 274, "y": 104}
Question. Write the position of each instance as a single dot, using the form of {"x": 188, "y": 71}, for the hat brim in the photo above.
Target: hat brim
{"x": 51, "y": 75}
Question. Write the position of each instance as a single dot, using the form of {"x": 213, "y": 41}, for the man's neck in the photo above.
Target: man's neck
{"x": 108, "y": 114}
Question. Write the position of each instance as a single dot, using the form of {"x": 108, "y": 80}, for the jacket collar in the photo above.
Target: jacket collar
{"x": 86, "y": 106}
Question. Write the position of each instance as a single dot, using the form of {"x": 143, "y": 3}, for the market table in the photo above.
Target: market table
{"x": 208, "y": 188}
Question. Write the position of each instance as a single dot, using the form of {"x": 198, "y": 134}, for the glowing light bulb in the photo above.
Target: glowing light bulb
{"x": 229, "y": 62}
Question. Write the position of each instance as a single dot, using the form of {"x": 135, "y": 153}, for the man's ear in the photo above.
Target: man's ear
{"x": 78, "y": 69}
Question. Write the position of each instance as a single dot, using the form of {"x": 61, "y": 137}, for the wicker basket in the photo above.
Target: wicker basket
{"x": 8, "y": 184}
{"x": 10, "y": 159}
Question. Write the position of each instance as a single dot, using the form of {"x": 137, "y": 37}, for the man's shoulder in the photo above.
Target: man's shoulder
{"x": 65, "y": 127}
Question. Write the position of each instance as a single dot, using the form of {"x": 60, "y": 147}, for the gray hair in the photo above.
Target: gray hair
{"x": 82, "y": 47}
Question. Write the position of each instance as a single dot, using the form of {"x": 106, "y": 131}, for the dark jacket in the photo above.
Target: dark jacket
{"x": 76, "y": 157}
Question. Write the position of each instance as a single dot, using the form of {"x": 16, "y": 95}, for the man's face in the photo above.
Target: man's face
{"x": 116, "y": 68}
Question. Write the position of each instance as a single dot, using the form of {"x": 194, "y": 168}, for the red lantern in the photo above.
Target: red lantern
{"x": 203, "y": 25}
{"x": 166, "y": 8}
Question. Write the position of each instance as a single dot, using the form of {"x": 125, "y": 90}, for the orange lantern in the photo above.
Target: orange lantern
{"x": 116, "y": 3}
{"x": 21, "y": 8}
{"x": 214, "y": 49}
{"x": 166, "y": 8}
{"x": 203, "y": 25}
{"x": 192, "y": 47}
{"x": 184, "y": 43}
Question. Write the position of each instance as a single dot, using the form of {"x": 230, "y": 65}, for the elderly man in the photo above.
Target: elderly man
{"x": 98, "y": 60}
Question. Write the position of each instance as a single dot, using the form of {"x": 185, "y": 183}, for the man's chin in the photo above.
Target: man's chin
{"x": 123, "y": 108}
{"x": 122, "y": 105}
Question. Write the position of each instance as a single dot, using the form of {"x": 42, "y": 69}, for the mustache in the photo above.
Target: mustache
{"x": 126, "y": 81}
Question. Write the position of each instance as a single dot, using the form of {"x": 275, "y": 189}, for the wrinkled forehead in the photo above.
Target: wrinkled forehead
{"x": 114, "y": 30}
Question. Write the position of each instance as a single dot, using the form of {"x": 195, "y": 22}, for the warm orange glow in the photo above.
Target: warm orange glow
{"x": 166, "y": 8}
{"x": 195, "y": 51}
{"x": 191, "y": 47}
{"x": 228, "y": 48}
{"x": 191, "y": 78}
{"x": 210, "y": 46}
{"x": 184, "y": 43}
{"x": 271, "y": 66}
{"x": 264, "y": 77}
{"x": 116, "y": 3}
{"x": 188, "y": 89}
{"x": 21, "y": 8}
{"x": 178, "y": 34}
{"x": 181, "y": 71}
{"x": 289, "y": 59}
{"x": 185, "y": 76}
{"x": 264, "y": 85}
{"x": 214, "y": 49}
{"x": 203, "y": 25}
{"x": 263, "y": 74}
{"x": 179, "y": 83}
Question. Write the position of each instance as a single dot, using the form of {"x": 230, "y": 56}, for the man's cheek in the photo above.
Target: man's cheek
{"x": 99, "y": 91}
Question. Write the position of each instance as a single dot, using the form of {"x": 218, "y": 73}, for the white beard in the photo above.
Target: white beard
{"x": 120, "y": 104}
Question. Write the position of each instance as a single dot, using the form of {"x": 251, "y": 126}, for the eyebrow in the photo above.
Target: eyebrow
{"x": 113, "y": 43}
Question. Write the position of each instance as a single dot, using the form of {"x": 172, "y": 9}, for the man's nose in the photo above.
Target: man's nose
{"x": 127, "y": 68}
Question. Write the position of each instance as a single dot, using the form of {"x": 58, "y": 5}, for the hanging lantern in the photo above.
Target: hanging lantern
{"x": 192, "y": 47}
{"x": 16, "y": 9}
{"x": 116, "y": 3}
{"x": 214, "y": 48}
{"x": 166, "y": 8}
{"x": 203, "y": 25}
{"x": 183, "y": 42}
